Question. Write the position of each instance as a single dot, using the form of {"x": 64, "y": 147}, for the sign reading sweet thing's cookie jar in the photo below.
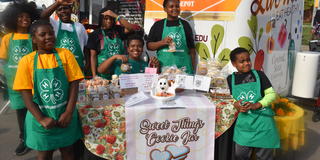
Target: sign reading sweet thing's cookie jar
{"x": 181, "y": 128}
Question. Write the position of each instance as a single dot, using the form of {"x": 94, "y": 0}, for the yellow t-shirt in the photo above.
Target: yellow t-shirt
{"x": 6, "y": 40}
{"x": 24, "y": 75}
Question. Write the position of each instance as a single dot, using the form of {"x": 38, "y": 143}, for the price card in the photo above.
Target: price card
{"x": 141, "y": 81}
{"x": 149, "y": 70}
{"x": 136, "y": 98}
{"x": 129, "y": 81}
{"x": 146, "y": 82}
{"x": 184, "y": 81}
{"x": 201, "y": 83}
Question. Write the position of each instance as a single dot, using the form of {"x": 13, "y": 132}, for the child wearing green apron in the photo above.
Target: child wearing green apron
{"x": 255, "y": 127}
{"x": 122, "y": 64}
{"x": 48, "y": 80}
{"x": 70, "y": 35}
{"x": 176, "y": 32}
{"x": 107, "y": 41}
{"x": 17, "y": 19}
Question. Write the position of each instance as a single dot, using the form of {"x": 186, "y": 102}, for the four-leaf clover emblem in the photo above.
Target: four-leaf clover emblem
{"x": 113, "y": 48}
{"x": 19, "y": 52}
{"x": 68, "y": 43}
{"x": 176, "y": 36}
{"x": 249, "y": 97}
{"x": 51, "y": 90}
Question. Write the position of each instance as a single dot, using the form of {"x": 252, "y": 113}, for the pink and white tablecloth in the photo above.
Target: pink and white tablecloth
{"x": 180, "y": 129}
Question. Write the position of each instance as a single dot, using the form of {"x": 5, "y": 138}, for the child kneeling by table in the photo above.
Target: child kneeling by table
{"x": 255, "y": 128}
{"x": 131, "y": 63}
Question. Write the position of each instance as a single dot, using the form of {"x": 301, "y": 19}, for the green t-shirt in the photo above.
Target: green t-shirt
{"x": 135, "y": 67}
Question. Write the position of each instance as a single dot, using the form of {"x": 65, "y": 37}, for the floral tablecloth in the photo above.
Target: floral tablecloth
{"x": 226, "y": 114}
{"x": 103, "y": 126}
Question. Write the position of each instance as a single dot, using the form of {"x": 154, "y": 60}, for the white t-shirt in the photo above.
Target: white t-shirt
{"x": 81, "y": 31}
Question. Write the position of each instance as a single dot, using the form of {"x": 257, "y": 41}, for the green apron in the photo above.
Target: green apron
{"x": 255, "y": 128}
{"x": 70, "y": 41}
{"x": 51, "y": 92}
{"x": 180, "y": 58}
{"x": 111, "y": 47}
{"x": 135, "y": 67}
{"x": 17, "y": 49}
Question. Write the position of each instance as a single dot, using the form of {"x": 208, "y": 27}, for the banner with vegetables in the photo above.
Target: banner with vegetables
{"x": 270, "y": 29}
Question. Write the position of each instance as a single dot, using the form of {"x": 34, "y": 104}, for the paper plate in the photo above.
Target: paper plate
{"x": 161, "y": 98}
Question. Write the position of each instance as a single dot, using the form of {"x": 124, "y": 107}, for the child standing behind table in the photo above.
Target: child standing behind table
{"x": 48, "y": 80}
{"x": 172, "y": 38}
{"x": 108, "y": 39}
{"x": 17, "y": 19}
{"x": 255, "y": 128}
{"x": 70, "y": 35}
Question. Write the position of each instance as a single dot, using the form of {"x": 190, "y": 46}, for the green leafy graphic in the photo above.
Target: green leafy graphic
{"x": 203, "y": 51}
{"x": 224, "y": 56}
{"x": 253, "y": 25}
{"x": 217, "y": 34}
{"x": 260, "y": 34}
{"x": 246, "y": 43}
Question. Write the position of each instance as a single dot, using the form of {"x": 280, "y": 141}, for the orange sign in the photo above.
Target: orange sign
{"x": 196, "y": 9}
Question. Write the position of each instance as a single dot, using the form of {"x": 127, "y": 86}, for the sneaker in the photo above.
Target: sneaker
{"x": 316, "y": 114}
{"x": 22, "y": 149}
{"x": 316, "y": 117}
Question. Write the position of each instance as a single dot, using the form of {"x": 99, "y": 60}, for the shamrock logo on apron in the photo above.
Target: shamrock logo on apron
{"x": 249, "y": 97}
{"x": 113, "y": 48}
{"x": 51, "y": 91}
{"x": 176, "y": 36}
{"x": 18, "y": 51}
{"x": 68, "y": 43}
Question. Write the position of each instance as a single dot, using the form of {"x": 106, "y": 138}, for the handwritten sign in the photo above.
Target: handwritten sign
{"x": 184, "y": 81}
{"x": 135, "y": 99}
{"x": 201, "y": 83}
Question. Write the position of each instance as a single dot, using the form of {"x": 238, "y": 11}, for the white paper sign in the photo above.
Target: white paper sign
{"x": 135, "y": 99}
{"x": 146, "y": 82}
{"x": 201, "y": 83}
{"x": 184, "y": 81}
{"x": 141, "y": 81}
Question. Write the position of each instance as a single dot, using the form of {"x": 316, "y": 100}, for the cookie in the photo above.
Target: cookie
{"x": 172, "y": 47}
{"x": 178, "y": 152}
{"x": 158, "y": 155}
{"x": 180, "y": 158}
{"x": 125, "y": 67}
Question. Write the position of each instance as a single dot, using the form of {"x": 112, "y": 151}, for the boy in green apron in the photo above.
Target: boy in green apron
{"x": 176, "y": 32}
{"x": 70, "y": 35}
{"x": 255, "y": 127}
{"x": 17, "y": 19}
{"x": 48, "y": 80}
{"x": 123, "y": 64}
{"x": 107, "y": 40}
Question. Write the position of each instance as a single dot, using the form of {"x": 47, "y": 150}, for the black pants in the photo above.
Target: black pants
{"x": 21, "y": 116}
{"x": 244, "y": 153}
{"x": 224, "y": 146}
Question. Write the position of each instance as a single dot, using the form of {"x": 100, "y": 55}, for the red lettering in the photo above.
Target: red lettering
{"x": 257, "y": 5}
{"x": 203, "y": 38}
{"x": 197, "y": 38}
